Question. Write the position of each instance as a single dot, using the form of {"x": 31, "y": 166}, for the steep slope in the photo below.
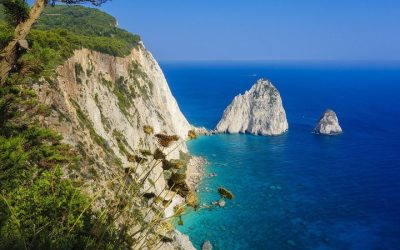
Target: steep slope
{"x": 258, "y": 111}
{"x": 103, "y": 104}
{"x": 105, "y": 94}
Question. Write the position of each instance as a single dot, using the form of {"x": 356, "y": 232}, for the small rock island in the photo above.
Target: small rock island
{"x": 328, "y": 124}
{"x": 258, "y": 111}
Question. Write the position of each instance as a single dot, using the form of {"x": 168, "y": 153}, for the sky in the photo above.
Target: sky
{"x": 192, "y": 30}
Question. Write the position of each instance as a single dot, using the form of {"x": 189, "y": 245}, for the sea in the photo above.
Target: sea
{"x": 298, "y": 190}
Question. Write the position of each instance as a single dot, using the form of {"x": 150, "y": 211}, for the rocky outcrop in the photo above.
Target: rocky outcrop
{"x": 258, "y": 111}
{"x": 102, "y": 104}
{"x": 328, "y": 124}
{"x": 182, "y": 241}
{"x": 207, "y": 245}
{"x": 202, "y": 131}
{"x": 195, "y": 171}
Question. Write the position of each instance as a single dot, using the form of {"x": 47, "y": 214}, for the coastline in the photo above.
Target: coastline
{"x": 195, "y": 171}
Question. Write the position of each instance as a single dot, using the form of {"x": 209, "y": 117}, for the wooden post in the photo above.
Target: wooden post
{"x": 8, "y": 56}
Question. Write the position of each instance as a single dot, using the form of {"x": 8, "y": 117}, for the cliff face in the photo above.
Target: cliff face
{"x": 258, "y": 111}
{"x": 109, "y": 108}
{"x": 102, "y": 104}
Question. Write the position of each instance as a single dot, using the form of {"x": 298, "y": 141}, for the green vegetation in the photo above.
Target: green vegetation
{"x": 121, "y": 141}
{"x": 166, "y": 140}
{"x": 106, "y": 123}
{"x": 15, "y": 11}
{"x": 40, "y": 208}
{"x": 175, "y": 174}
{"x": 135, "y": 72}
{"x": 78, "y": 72}
{"x": 192, "y": 134}
{"x": 87, "y": 28}
{"x": 192, "y": 199}
{"x": 63, "y": 29}
{"x": 148, "y": 130}
{"x": 122, "y": 93}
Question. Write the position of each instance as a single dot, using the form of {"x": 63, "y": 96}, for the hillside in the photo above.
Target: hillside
{"x": 92, "y": 140}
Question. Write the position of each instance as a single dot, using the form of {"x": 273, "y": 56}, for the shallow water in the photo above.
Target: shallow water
{"x": 298, "y": 190}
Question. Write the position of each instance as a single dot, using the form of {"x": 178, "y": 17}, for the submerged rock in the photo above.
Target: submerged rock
{"x": 291, "y": 243}
{"x": 221, "y": 203}
{"x": 258, "y": 111}
{"x": 206, "y": 245}
{"x": 328, "y": 124}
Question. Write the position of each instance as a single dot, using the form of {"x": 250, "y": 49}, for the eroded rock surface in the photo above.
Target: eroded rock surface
{"x": 328, "y": 124}
{"x": 258, "y": 111}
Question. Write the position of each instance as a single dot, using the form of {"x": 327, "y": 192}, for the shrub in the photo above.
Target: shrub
{"x": 159, "y": 155}
{"x": 166, "y": 140}
{"x": 192, "y": 134}
{"x": 192, "y": 199}
{"x": 149, "y": 130}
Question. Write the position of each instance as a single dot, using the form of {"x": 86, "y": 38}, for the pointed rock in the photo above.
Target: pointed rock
{"x": 328, "y": 124}
{"x": 258, "y": 111}
{"x": 207, "y": 245}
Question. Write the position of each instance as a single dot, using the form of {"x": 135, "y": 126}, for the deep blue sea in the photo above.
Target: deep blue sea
{"x": 298, "y": 190}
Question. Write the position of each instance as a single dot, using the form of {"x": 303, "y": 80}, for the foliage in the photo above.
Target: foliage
{"x": 166, "y": 140}
{"x": 88, "y": 28}
{"x": 174, "y": 164}
{"x": 15, "y": 11}
{"x": 6, "y": 33}
{"x": 40, "y": 215}
{"x": 38, "y": 207}
{"x": 67, "y": 28}
{"x": 192, "y": 199}
{"x": 159, "y": 155}
{"x": 149, "y": 130}
{"x": 192, "y": 134}
{"x": 122, "y": 93}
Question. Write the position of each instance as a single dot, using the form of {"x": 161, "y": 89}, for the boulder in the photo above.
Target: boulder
{"x": 328, "y": 124}
{"x": 206, "y": 245}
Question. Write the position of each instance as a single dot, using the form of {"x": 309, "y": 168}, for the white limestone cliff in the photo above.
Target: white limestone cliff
{"x": 258, "y": 111}
{"x": 101, "y": 104}
{"x": 328, "y": 124}
{"x": 107, "y": 100}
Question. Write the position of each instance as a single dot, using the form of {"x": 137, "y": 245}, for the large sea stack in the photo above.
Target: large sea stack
{"x": 328, "y": 124}
{"x": 258, "y": 111}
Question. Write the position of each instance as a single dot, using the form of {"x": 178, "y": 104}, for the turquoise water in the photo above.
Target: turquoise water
{"x": 298, "y": 190}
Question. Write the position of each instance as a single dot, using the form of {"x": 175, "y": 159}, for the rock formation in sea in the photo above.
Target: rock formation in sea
{"x": 207, "y": 245}
{"x": 258, "y": 111}
{"x": 328, "y": 124}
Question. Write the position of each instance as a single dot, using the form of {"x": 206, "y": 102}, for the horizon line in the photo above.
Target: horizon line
{"x": 380, "y": 61}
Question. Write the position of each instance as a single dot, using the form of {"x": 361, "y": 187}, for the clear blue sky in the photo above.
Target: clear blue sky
{"x": 264, "y": 29}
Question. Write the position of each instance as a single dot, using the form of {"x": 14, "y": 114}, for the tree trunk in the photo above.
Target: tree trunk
{"x": 8, "y": 56}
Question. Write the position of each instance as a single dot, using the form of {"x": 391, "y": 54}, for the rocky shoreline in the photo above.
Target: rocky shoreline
{"x": 195, "y": 171}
